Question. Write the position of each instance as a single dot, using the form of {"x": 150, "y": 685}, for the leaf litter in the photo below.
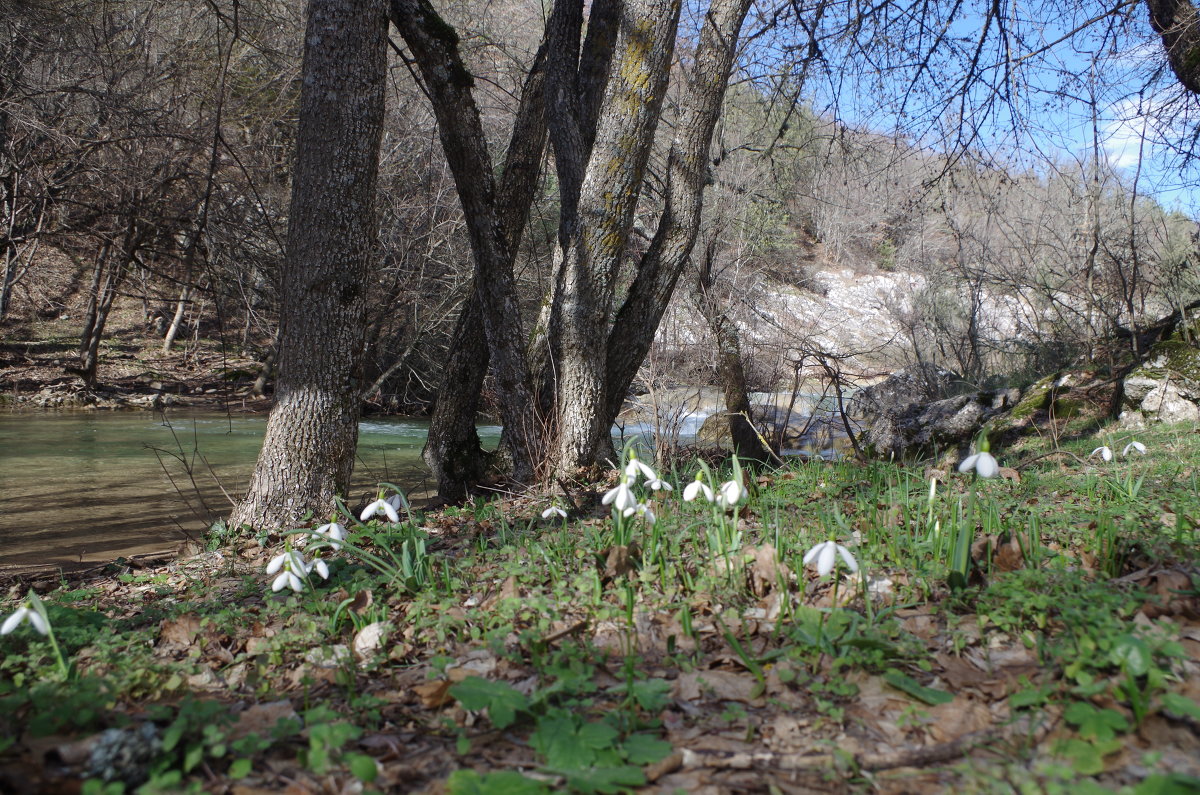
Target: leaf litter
{"x": 759, "y": 676}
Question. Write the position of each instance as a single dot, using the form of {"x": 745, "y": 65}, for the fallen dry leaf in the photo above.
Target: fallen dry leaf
{"x": 180, "y": 632}
{"x": 719, "y": 685}
{"x": 434, "y": 694}
{"x": 369, "y": 640}
{"x": 261, "y": 719}
{"x": 767, "y": 572}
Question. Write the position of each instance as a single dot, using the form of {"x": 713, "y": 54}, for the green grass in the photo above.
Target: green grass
{"x": 585, "y": 651}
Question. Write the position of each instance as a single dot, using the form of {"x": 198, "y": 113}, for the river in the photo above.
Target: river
{"x": 87, "y": 486}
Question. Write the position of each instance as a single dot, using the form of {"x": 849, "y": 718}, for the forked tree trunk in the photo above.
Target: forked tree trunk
{"x": 593, "y": 234}
{"x": 312, "y": 433}
{"x": 687, "y": 173}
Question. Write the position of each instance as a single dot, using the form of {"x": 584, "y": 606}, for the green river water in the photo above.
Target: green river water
{"x": 91, "y": 486}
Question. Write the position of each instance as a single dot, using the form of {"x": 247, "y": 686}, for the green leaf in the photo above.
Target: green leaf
{"x": 240, "y": 768}
{"x": 651, "y": 694}
{"x": 501, "y": 699}
{"x": 1181, "y": 705}
{"x": 1095, "y": 724}
{"x": 1171, "y": 784}
{"x": 193, "y": 757}
{"x": 645, "y": 749}
{"x": 504, "y": 782}
{"x": 1131, "y": 654}
{"x": 362, "y": 767}
{"x": 911, "y": 686}
{"x": 1030, "y": 697}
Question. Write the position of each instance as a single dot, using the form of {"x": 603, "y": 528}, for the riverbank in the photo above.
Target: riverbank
{"x": 493, "y": 648}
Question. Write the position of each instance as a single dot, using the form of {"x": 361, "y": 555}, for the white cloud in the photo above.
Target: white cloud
{"x": 1130, "y": 132}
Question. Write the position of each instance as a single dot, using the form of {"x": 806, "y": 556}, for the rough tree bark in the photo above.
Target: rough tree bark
{"x": 1177, "y": 22}
{"x": 495, "y": 217}
{"x": 312, "y": 433}
{"x": 594, "y": 229}
{"x": 687, "y": 172}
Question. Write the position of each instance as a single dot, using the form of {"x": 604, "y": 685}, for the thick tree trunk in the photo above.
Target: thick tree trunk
{"x": 593, "y": 234}
{"x": 687, "y": 172}
{"x": 452, "y": 449}
{"x": 1177, "y": 22}
{"x": 312, "y": 433}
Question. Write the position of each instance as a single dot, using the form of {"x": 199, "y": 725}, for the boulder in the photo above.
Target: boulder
{"x": 1165, "y": 387}
{"x": 925, "y": 429}
{"x": 915, "y": 385}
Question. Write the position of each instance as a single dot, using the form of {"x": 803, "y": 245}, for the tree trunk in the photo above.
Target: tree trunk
{"x": 687, "y": 172}
{"x": 312, "y": 433}
{"x": 1177, "y": 22}
{"x": 452, "y": 449}
{"x": 730, "y": 371}
{"x": 492, "y": 224}
{"x": 177, "y": 318}
{"x": 593, "y": 234}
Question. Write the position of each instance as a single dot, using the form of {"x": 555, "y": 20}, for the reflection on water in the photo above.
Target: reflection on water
{"x": 93, "y": 485}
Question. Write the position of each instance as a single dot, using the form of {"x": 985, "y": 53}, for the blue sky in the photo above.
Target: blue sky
{"x": 1047, "y": 75}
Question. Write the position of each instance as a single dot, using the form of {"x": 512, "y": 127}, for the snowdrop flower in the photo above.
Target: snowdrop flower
{"x": 646, "y": 512}
{"x": 380, "y": 506}
{"x": 696, "y": 488}
{"x": 291, "y": 567}
{"x": 658, "y": 484}
{"x": 731, "y": 493}
{"x": 1141, "y": 448}
{"x": 634, "y": 467}
{"x": 983, "y": 463}
{"x": 335, "y": 532}
{"x": 317, "y": 565}
{"x": 826, "y": 553}
{"x": 554, "y": 510}
{"x": 621, "y": 498}
{"x": 1105, "y": 452}
{"x": 25, "y": 613}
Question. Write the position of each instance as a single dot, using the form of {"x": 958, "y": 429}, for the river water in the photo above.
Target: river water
{"x": 90, "y": 486}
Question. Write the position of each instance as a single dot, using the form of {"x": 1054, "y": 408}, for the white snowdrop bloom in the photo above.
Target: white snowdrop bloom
{"x": 635, "y": 467}
{"x": 826, "y": 554}
{"x": 730, "y": 494}
{"x": 646, "y": 512}
{"x": 380, "y": 506}
{"x": 290, "y": 567}
{"x": 697, "y": 488}
{"x": 552, "y": 511}
{"x": 334, "y": 532}
{"x": 25, "y": 613}
{"x": 318, "y": 565}
{"x": 658, "y": 484}
{"x": 1138, "y": 446}
{"x": 983, "y": 463}
{"x": 1104, "y": 452}
{"x": 621, "y": 498}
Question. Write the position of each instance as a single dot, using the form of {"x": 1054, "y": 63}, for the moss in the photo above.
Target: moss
{"x": 1035, "y": 400}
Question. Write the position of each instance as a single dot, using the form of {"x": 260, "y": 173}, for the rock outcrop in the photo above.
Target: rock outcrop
{"x": 1165, "y": 387}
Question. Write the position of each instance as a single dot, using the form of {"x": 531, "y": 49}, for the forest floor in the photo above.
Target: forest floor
{"x": 1034, "y": 632}
{"x": 39, "y": 354}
